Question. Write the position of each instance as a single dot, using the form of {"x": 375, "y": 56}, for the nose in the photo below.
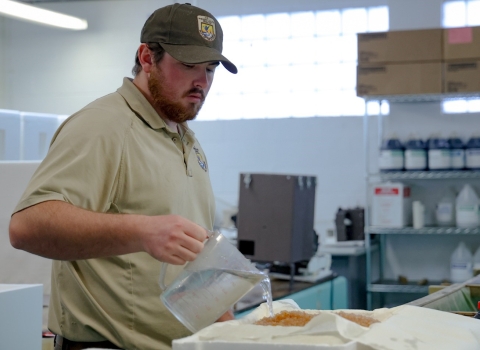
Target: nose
{"x": 202, "y": 79}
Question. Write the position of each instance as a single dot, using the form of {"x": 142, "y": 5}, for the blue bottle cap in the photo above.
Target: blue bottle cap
{"x": 415, "y": 144}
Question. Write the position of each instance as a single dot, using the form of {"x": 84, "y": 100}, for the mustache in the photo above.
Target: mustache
{"x": 196, "y": 91}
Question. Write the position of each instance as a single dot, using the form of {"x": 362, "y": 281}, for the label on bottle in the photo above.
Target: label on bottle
{"x": 444, "y": 213}
{"x": 391, "y": 159}
{"x": 472, "y": 158}
{"x": 415, "y": 159}
{"x": 467, "y": 216}
{"x": 439, "y": 159}
{"x": 458, "y": 158}
{"x": 460, "y": 271}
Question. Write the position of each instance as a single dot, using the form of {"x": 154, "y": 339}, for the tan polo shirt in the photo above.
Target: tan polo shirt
{"x": 117, "y": 155}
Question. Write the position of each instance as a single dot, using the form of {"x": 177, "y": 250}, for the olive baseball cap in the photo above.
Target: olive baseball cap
{"x": 187, "y": 33}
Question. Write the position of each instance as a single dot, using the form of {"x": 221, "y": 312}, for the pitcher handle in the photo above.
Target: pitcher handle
{"x": 163, "y": 270}
{"x": 161, "y": 280}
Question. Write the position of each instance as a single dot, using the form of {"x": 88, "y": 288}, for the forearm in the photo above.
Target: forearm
{"x": 58, "y": 230}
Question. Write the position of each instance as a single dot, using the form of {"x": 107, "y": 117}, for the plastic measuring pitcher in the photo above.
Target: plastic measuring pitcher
{"x": 209, "y": 285}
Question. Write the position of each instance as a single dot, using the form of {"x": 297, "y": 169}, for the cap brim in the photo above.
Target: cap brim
{"x": 198, "y": 54}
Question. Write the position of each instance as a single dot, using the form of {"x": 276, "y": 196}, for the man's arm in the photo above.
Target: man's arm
{"x": 61, "y": 231}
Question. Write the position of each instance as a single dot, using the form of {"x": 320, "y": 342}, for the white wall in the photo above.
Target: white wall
{"x": 18, "y": 266}
{"x": 56, "y": 71}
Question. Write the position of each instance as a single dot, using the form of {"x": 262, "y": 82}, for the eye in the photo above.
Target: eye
{"x": 188, "y": 65}
{"x": 211, "y": 68}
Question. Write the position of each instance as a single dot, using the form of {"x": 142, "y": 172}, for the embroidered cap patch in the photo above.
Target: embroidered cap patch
{"x": 206, "y": 27}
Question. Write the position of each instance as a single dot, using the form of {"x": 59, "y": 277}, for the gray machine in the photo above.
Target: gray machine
{"x": 276, "y": 216}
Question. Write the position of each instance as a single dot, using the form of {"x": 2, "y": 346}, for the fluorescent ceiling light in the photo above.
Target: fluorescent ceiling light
{"x": 39, "y": 15}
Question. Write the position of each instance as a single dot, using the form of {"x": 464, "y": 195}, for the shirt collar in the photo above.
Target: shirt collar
{"x": 140, "y": 105}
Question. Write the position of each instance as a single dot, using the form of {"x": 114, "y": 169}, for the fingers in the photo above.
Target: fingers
{"x": 197, "y": 232}
{"x": 178, "y": 250}
{"x": 174, "y": 239}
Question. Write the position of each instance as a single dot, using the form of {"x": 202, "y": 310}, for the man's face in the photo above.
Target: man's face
{"x": 179, "y": 90}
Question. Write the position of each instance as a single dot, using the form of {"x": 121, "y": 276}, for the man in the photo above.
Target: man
{"x": 125, "y": 188}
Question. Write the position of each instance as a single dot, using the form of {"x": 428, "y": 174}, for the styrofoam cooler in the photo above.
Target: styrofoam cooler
{"x": 10, "y": 131}
{"x": 38, "y": 130}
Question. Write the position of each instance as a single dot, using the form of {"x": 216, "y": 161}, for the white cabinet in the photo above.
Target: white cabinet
{"x": 21, "y": 308}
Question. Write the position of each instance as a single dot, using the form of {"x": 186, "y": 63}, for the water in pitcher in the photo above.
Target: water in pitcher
{"x": 199, "y": 298}
{"x": 264, "y": 283}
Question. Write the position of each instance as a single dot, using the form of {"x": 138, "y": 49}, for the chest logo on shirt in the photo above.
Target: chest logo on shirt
{"x": 201, "y": 160}
{"x": 206, "y": 28}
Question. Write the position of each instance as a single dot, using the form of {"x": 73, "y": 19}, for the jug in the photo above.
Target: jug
{"x": 209, "y": 285}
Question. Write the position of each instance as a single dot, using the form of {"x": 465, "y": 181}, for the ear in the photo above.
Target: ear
{"x": 145, "y": 56}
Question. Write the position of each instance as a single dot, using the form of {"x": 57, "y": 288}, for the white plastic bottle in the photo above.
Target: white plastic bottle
{"x": 476, "y": 262}
{"x": 472, "y": 153}
{"x": 391, "y": 154}
{"x": 415, "y": 153}
{"x": 457, "y": 149}
{"x": 445, "y": 209}
{"x": 439, "y": 153}
{"x": 461, "y": 264}
{"x": 467, "y": 208}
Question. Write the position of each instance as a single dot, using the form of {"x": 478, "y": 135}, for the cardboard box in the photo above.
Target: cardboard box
{"x": 400, "y": 46}
{"x": 391, "y": 205}
{"x": 461, "y": 43}
{"x": 462, "y": 76}
{"x": 399, "y": 79}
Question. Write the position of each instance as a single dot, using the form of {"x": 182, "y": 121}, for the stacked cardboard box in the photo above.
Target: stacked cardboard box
{"x": 461, "y": 52}
{"x": 425, "y": 61}
{"x": 400, "y": 62}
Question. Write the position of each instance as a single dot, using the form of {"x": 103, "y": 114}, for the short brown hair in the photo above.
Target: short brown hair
{"x": 158, "y": 53}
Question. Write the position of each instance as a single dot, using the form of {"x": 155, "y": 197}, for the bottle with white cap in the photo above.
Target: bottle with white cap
{"x": 467, "y": 206}
{"x": 461, "y": 264}
{"x": 445, "y": 209}
{"x": 418, "y": 210}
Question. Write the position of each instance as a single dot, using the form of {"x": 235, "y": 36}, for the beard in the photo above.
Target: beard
{"x": 171, "y": 109}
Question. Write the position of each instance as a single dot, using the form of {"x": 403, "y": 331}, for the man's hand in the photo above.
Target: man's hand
{"x": 173, "y": 239}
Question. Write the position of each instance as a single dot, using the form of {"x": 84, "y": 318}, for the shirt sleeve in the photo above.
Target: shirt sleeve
{"x": 83, "y": 163}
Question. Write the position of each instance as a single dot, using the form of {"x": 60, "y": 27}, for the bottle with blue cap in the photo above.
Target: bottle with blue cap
{"x": 439, "y": 153}
{"x": 472, "y": 153}
{"x": 457, "y": 152}
{"x": 391, "y": 154}
{"x": 415, "y": 154}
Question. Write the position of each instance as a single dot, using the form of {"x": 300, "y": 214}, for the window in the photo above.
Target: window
{"x": 299, "y": 64}
{"x": 461, "y": 14}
